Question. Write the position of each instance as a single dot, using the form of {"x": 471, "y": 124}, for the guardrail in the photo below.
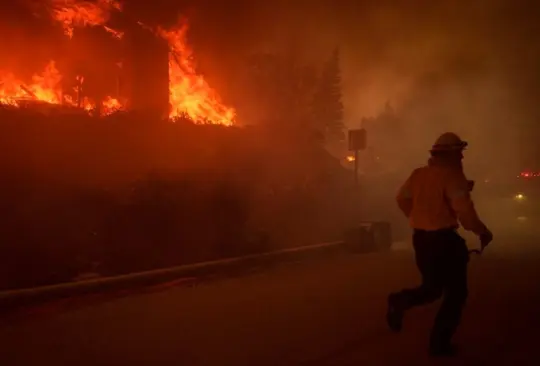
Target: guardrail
{"x": 367, "y": 237}
{"x": 224, "y": 267}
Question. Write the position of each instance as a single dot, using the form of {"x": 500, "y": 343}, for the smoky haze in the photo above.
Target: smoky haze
{"x": 445, "y": 65}
{"x": 468, "y": 67}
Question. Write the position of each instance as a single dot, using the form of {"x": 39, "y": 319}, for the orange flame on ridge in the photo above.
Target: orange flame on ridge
{"x": 189, "y": 92}
{"x": 111, "y": 105}
{"x": 44, "y": 87}
{"x": 77, "y": 13}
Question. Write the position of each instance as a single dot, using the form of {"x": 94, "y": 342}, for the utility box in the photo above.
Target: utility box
{"x": 369, "y": 237}
{"x": 357, "y": 139}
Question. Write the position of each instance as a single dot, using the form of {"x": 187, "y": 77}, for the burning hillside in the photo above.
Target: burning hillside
{"x": 46, "y": 87}
{"x": 189, "y": 93}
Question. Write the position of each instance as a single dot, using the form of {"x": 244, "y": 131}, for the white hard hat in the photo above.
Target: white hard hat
{"x": 449, "y": 141}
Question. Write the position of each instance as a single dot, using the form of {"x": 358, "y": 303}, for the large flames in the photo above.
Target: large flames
{"x": 189, "y": 93}
{"x": 45, "y": 87}
{"x": 77, "y": 13}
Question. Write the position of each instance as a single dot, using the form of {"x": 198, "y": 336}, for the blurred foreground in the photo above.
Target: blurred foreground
{"x": 327, "y": 312}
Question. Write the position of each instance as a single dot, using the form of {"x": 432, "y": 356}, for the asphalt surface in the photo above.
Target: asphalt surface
{"x": 319, "y": 312}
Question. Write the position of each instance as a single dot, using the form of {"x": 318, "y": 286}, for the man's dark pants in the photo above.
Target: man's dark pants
{"x": 441, "y": 257}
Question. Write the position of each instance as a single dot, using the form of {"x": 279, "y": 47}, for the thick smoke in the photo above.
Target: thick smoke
{"x": 447, "y": 65}
{"x": 468, "y": 67}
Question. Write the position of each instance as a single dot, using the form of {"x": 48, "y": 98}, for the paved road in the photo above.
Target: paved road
{"x": 327, "y": 312}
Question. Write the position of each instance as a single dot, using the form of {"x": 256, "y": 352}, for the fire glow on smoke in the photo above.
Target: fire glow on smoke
{"x": 189, "y": 93}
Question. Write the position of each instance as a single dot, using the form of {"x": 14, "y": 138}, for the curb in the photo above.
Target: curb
{"x": 15, "y": 298}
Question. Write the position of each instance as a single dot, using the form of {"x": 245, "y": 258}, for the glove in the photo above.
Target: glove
{"x": 485, "y": 238}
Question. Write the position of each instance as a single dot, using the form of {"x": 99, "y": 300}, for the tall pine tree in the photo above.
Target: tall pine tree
{"x": 327, "y": 103}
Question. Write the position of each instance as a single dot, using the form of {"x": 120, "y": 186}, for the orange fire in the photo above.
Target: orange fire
{"x": 111, "y": 105}
{"x": 189, "y": 93}
{"x": 75, "y": 13}
{"x": 44, "y": 87}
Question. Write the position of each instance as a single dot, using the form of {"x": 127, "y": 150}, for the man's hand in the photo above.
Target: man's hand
{"x": 485, "y": 238}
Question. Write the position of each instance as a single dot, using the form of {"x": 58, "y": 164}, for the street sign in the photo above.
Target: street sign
{"x": 357, "y": 139}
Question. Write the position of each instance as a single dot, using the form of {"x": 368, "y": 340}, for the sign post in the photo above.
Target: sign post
{"x": 357, "y": 142}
